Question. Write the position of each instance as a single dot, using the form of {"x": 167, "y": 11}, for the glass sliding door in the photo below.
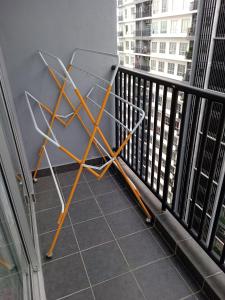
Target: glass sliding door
{"x": 18, "y": 257}
{"x": 13, "y": 263}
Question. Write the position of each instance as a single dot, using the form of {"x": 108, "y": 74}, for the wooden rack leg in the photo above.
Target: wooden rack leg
{"x": 61, "y": 221}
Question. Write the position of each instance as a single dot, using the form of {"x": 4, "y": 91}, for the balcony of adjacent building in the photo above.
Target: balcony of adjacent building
{"x": 142, "y": 47}
{"x": 152, "y": 228}
{"x": 143, "y": 10}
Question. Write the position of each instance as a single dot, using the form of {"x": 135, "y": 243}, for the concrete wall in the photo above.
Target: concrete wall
{"x": 57, "y": 26}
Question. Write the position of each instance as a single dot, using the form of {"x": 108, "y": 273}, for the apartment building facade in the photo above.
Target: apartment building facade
{"x": 157, "y": 36}
{"x": 208, "y": 71}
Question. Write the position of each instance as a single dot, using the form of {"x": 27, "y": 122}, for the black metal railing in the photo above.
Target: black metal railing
{"x": 143, "y": 32}
{"x": 143, "y": 14}
{"x": 179, "y": 151}
{"x": 142, "y": 67}
{"x": 144, "y": 50}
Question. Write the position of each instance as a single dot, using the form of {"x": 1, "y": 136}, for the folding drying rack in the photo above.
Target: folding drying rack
{"x": 109, "y": 156}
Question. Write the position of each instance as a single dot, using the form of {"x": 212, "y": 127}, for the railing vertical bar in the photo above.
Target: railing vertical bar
{"x": 133, "y": 120}
{"x": 200, "y": 161}
{"x": 170, "y": 146}
{"x": 212, "y": 170}
{"x": 121, "y": 109}
{"x": 217, "y": 215}
{"x": 179, "y": 147}
{"x": 161, "y": 136}
{"x": 148, "y": 130}
{"x": 129, "y": 116}
{"x": 154, "y": 134}
{"x": 138, "y": 116}
{"x": 191, "y": 142}
{"x": 124, "y": 112}
{"x": 117, "y": 108}
{"x": 222, "y": 258}
{"x": 143, "y": 129}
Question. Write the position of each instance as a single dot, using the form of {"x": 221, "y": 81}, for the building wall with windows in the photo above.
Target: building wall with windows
{"x": 154, "y": 36}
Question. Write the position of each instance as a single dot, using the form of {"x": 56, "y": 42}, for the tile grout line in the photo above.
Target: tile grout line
{"x": 74, "y": 233}
{"x": 186, "y": 283}
{"x": 92, "y": 247}
{"x": 77, "y": 292}
{"x": 85, "y": 199}
{"x": 108, "y": 214}
{"x": 139, "y": 287}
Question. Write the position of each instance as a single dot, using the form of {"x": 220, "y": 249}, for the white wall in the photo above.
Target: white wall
{"x": 57, "y": 26}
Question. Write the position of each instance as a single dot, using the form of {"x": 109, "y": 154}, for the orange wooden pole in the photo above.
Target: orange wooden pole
{"x": 99, "y": 117}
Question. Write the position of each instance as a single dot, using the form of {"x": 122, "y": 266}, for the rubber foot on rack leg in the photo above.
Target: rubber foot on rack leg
{"x": 148, "y": 220}
{"x": 35, "y": 180}
{"x": 49, "y": 256}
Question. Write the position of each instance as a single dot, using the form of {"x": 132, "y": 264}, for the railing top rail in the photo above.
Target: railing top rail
{"x": 183, "y": 87}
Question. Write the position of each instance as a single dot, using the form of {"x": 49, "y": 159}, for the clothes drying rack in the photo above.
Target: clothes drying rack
{"x": 63, "y": 77}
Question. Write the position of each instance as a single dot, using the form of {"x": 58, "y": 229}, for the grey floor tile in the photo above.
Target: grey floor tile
{"x": 90, "y": 177}
{"x": 125, "y": 222}
{"x": 119, "y": 180}
{"x": 186, "y": 274}
{"x": 120, "y": 288}
{"x": 44, "y": 184}
{"x": 103, "y": 186}
{"x": 92, "y": 233}
{"x": 66, "y": 243}
{"x": 47, "y": 200}
{"x": 114, "y": 201}
{"x": 83, "y": 295}
{"x": 64, "y": 276}
{"x": 161, "y": 281}
{"x": 67, "y": 178}
{"x": 82, "y": 192}
{"x": 104, "y": 262}
{"x": 47, "y": 220}
{"x": 164, "y": 245}
{"x": 140, "y": 248}
{"x": 84, "y": 210}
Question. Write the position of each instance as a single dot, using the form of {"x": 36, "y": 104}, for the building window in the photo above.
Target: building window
{"x": 161, "y": 66}
{"x": 127, "y": 60}
{"x": 173, "y": 47}
{"x": 183, "y": 48}
{"x": 155, "y": 6}
{"x": 126, "y": 28}
{"x": 181, "y": 70}
{"x": 132, "y": 45}
{"x": 133, "y": 11}
{"x": 163, "y": 28}
{"x": 125, "y": 12}
{"x": 184, "y": 25}
{"x": 174, "y": 26}
{"x": 155, "y": 28}
{"x": 132, "y": 61}
{"x": 153, "y": 64}
{"x": 127, "y": 45}
{"x": 171, "y": 68}
{"x": 154, "y": 47}
{"x": 164, "y": 6}
{"x": 162, "y": 47}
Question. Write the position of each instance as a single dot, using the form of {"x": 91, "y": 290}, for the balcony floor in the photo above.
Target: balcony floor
{"x": 105, "y": 250}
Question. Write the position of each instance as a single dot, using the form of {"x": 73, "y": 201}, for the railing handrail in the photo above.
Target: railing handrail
{"x": 203, "y": 93}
